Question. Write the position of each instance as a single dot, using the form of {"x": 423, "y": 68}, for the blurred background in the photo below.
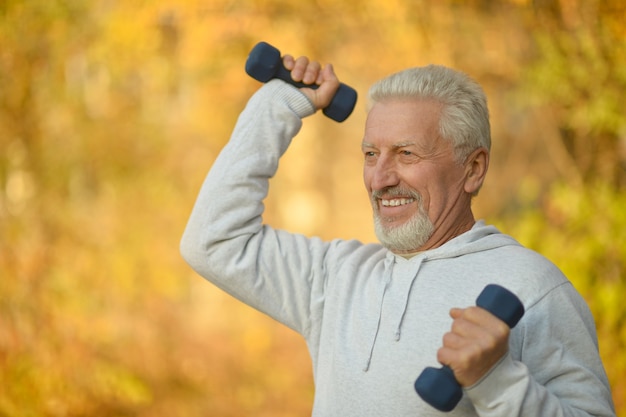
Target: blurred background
{"x": 111, "y": 113}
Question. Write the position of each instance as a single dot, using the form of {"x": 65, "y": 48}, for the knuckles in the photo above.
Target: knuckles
{"x": 475, "y": 342}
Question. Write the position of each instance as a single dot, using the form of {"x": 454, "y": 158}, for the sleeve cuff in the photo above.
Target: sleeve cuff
{"x": 297, "y": 101}
{"x": 503, "y": 387}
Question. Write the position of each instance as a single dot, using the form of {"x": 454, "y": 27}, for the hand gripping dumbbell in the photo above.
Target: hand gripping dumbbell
{"x": 437, "y": 386}
{"x": 265, "y": 63}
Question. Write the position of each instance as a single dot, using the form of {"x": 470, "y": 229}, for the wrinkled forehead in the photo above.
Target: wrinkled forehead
{"x": 398, "y": 121}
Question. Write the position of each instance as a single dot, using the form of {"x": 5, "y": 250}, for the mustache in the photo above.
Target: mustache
{"x": 396, "y": 192}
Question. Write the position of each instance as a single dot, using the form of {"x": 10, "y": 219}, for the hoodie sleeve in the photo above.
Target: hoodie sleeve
{"x": 225, "y": 240}
{"x": 559, "y": 372}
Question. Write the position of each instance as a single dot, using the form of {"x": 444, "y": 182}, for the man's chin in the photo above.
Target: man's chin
{"x": 408, "y": 236}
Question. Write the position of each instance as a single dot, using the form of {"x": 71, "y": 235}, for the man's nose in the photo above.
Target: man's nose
{"x": 385, "y": 174}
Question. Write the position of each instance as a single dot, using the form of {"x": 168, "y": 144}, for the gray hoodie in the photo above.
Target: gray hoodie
{"x": 373, "y": 320}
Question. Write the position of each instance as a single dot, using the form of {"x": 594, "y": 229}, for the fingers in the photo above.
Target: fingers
{"x": 311, "y": 72}
{"x": 329, "y": 83}
{"x": 474, "y": 320}
{"x": 476, "y": 342}
{"x": 303, "y": 70}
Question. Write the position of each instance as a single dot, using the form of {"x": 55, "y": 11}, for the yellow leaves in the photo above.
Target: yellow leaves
{"x": 111, "y": 113}
{"x": 116, "y": 384}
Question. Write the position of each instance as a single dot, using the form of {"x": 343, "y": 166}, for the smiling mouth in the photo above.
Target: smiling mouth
{"x": 395, "y": 202}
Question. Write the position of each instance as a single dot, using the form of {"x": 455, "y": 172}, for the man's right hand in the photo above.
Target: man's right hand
{"x": 311, "y": 72}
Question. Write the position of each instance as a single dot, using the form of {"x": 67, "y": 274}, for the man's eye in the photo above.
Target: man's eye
{"x": 407, "y": 153}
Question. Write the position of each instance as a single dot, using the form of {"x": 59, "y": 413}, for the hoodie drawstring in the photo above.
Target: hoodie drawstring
{"x": 407, "y": 293}
{"x": 385, "y": 283}
{"x": 389, "y": 264}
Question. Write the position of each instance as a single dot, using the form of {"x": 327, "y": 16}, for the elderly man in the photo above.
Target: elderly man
{"x": 375, "y": 315}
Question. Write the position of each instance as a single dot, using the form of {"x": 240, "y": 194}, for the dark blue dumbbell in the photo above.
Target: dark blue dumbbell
{"x": 265, "y": 63}
{"x": 437, "y": 386}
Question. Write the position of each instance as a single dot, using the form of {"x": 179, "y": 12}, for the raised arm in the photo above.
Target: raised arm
{"x": 225, "y": 240}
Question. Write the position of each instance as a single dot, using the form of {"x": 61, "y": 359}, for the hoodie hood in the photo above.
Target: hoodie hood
{"x": 480, "y": 237}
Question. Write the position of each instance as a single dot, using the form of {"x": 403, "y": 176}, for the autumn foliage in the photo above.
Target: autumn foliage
{"x": 111, "y": 113}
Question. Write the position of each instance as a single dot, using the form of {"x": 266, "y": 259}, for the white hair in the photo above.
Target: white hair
{"x": 464, "y": 117}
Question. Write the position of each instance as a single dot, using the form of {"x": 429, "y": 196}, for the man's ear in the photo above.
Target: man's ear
{"x": 476, "y": 166}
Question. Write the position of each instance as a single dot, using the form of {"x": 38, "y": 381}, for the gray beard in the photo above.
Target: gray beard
{"x": 407, "y": 237}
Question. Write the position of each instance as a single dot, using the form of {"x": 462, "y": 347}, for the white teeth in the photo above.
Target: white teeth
{"x": 397, "y": 202}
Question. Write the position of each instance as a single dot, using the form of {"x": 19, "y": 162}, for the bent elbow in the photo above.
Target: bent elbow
{"x": 192, "y": 251}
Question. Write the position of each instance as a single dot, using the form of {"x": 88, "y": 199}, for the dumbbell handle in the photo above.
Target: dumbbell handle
{"x": 438, "y": 386}
{"x": 265, "y": 63}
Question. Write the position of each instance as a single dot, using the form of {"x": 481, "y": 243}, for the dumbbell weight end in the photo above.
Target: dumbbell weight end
{"x": 342, "y": 103}
{"x": 439, "y": 388}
